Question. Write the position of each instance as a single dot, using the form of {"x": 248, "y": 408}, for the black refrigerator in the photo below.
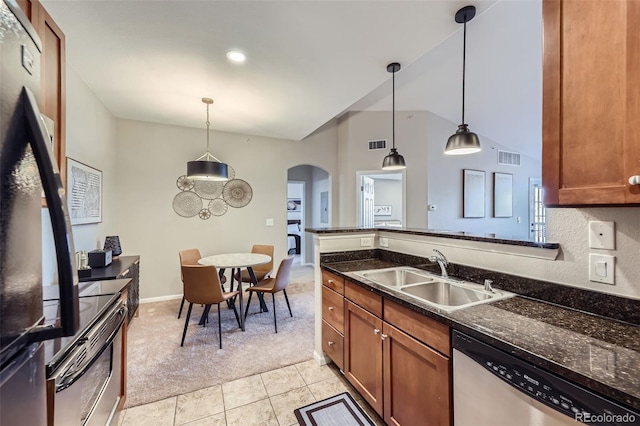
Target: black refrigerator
{"x": 29, "y": 183}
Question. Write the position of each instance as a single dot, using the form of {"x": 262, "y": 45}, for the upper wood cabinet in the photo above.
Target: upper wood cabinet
{"x": 591, "y": 102}
{"x": 53, "y": 88}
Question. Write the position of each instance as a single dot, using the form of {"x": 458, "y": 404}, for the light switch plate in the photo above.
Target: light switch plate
{"x": 366, "y": 242}
{"x": 269, "y": 222}
{"x": 384, "y": 242}
{"x": 602, "y": 268}
{"x": 602, "y": 235}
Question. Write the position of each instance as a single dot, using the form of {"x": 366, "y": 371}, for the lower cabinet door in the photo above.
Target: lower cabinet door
{"x": 417, "y": 386}
{"x": 333, "y": 344}
{"x": 363, "y": 353}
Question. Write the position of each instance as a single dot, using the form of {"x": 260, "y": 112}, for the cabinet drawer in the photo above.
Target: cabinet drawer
{"x": 333, "y": 308}
{"x": 333, "y": 281}
{"x": 364, "y": 297}
{"x": 425, "y": 329}
{"x": 333, "y": 344}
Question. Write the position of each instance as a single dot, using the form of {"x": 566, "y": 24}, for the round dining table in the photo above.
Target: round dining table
{"x": 237, "y": 261}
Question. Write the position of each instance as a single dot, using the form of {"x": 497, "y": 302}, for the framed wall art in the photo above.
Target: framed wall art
{"x": 84, "y": 193}
{"x": 294, "y": 204}
{"x": 382, "y": 210}
{"x": 502, "y": 195}
{"x": 473, "y": 184}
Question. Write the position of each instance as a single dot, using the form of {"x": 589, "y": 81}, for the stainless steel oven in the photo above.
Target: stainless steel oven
{"x": 85, "y": 374}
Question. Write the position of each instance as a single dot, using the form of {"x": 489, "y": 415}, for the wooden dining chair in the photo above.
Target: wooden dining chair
{"x": 274, "y": 285}
{"x": 191, "y": 257}
{"x": 202, "y": 285}
{"x": 261, "y": 271}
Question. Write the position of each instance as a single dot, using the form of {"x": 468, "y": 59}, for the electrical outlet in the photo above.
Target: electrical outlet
{"x": 384, "y": 242}
{"x": 366, "y": 242}
{"x": 269, "y": 222}
{"x": 602, "y": 268}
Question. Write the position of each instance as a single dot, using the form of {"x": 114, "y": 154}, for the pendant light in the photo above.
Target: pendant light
{"x": 207, "y": 167}
{"x": 393, "y": 161}
{"x": 463, "y": 141}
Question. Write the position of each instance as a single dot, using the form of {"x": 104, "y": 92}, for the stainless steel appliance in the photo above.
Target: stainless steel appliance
{"x": 85, "y": 369}
{"x": 27, "y": 171}
{"x": 494, "y": 388}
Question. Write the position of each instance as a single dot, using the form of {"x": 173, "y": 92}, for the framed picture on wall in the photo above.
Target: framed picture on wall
{"x": 84, "y": 192}
{"x": 473, "y": 194}
{"x": 294, "y": 205}
{"x": 502, "y": 195}
{"x": 382, "y": 210}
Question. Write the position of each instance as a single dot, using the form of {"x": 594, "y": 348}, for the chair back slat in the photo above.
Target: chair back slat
{"x": 201, "y": 284}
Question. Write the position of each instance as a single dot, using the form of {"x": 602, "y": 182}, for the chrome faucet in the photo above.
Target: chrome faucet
{"x": 442, "y": 261}
{"x": 488, "y": 287}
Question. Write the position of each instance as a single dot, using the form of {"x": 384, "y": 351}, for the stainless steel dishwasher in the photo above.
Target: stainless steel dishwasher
{"x": 494, "y": 388}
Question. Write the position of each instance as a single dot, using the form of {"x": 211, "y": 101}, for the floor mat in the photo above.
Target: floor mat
{"x": 339, "y": 410}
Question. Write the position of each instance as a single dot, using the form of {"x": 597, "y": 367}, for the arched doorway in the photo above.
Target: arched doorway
{"x": 308, "y": 206}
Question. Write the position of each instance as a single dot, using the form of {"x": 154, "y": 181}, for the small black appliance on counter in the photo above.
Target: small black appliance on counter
{"x": 100, "y": 258}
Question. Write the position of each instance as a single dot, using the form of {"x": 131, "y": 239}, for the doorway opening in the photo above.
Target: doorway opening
{"x": 381, "y": 198}
{"x": 537, "y": 212}
{"x": 295, "y": 219}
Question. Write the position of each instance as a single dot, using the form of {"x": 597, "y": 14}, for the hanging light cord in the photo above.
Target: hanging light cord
{"x": 393, "y": 109}
{"x": 464, "y": 57}
{"x": 207, "y": 156}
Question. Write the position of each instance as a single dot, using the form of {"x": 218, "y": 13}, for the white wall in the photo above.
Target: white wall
{"x": 90, "y": 139}
{"x": 355, "y": 131}
{"x": 445, "y": 184}
{"x": 388, "y": 192}
{"x": 152, "y": 156}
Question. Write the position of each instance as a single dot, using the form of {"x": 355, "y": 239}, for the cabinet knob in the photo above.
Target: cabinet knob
{"x": 376, "y": 331}
{"x": 331, "y": 308}
{"x": 330, "y": 343}
{"x": 383, "y": 336}
{"x": 634, "y": 180}
{"x": 330, "y": 281}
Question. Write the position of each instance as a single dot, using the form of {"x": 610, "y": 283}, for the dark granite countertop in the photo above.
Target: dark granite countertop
{"x": 593, "y": 351}
{"x": 469, "y": 236}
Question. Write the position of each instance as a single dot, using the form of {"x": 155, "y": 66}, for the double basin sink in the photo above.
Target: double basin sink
{"x": 444, "y": 293}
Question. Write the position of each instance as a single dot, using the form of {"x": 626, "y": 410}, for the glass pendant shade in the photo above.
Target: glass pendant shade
{"x": 207, "y": 167}
{"x": 207, "y": 170}
{"x": 462, "y": 142}
{"x": 393, "y": 161}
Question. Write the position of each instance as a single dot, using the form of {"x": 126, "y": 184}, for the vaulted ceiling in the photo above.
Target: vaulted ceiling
{"x": 308, "y": 62}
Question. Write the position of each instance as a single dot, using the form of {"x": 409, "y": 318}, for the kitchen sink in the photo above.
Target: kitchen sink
{"x": 395, "y": 277}
{"x": 446, "y": 294}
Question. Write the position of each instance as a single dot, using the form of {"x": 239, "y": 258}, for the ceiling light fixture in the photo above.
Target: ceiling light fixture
{"x": 236, "y": 56}
{"x": 463, "y": 141}
{"x": 207, "y": 167}
{"x": 393, "y": 161}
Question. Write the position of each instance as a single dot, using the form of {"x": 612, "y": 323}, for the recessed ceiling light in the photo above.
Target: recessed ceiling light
{"x": 236, "y": 56}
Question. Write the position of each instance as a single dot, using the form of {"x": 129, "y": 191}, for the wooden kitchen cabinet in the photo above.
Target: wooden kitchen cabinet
{"x": 52, "y": 97}
{"x": 591, "y": 102}
{"x": 333, "y": 317}
{"x": 363, "y": 354}
{"x": 401, "y": 366}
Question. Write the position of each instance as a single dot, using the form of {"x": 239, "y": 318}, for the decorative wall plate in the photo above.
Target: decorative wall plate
{"x": 184, "y": 184}
{"x": 208, "y": 189}
{"x": 231, "y": 173}
{"x": 204, "y": 214}
{"x": 218, "y": 207}
{"x": 237, "y": 193}
{"x": 187, "y": 204}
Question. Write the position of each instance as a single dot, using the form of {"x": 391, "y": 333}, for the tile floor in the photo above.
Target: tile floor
{"x": 264, "y": 399}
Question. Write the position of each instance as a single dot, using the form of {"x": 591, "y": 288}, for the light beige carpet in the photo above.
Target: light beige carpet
{"x": 159, "y": 368}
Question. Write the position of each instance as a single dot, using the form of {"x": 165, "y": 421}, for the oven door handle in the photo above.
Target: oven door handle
{"x": 69, "y": 379}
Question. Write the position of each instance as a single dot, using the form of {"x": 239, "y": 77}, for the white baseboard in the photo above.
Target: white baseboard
{"x": 320, "y": 358}
{"x": 161, "y": 298}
